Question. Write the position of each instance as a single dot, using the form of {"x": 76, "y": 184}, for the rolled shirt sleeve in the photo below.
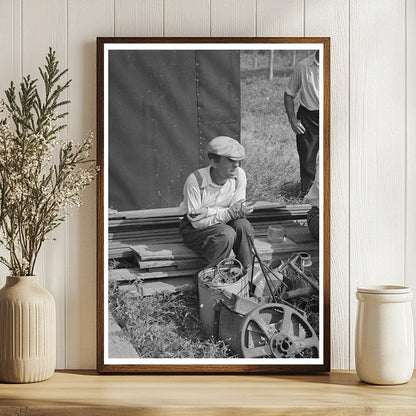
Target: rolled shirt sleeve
{"x": 305, "y": 82}
{"x": 295, "y": 82}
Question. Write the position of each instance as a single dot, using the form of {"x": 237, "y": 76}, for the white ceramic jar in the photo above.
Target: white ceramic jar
{"x": 384, "y": 339}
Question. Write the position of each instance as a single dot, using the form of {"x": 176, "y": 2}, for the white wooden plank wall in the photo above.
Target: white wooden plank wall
{"x": 410, "y": 112}
{"x": 373, "y": 129}
{"x": 138, "y": 17}
{"x": 86, "y": 19}
{"x": 10, "y": 61}
{"x": 42, "y": 26}
{"x": 233, "y": 18}
{"x": 335, "y": 23}
{"x": 377, "y": 146}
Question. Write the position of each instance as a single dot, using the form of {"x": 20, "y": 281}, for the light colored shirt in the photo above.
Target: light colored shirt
{"x": 313, "y": 195}
{"x": 217, "y": 198}
{"x": 305, "y": 79}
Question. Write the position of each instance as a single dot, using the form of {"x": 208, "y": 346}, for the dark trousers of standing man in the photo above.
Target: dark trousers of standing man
{"x": 215, "y": 243}
{"x": 313, "y": 222}
{"x": 308, "y": 146}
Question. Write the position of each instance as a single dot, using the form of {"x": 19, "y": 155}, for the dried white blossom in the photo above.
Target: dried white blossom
{"x": 42, "y": 176}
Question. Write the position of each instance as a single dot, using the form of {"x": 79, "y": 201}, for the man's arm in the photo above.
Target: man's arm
{"x": 296, "y": 125}
{"x": 202, "y": 217}
{"x": 198, "y": 215}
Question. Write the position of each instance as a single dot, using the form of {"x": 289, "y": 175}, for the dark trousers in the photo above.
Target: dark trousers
{"x": 308, "y": 146}
{"x": 313, "y": 222}
{"x": 215, "y": 243}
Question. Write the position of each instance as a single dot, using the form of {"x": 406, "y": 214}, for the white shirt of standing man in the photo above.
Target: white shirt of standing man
{"x": 305, "y": 82}
{"x": 221, "y": 196}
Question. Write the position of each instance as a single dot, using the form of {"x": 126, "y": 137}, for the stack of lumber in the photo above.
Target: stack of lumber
{"x": 130, "y": 228}
{"x": 163, "y": 262}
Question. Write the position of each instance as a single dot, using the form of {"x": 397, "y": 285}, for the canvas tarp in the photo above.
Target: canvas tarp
{"x": 164, "y": 107}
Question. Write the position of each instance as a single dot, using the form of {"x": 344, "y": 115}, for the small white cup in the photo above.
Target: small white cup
{"x": 276, "y": 233}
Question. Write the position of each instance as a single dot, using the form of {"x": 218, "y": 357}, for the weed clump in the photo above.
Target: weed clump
{"x": 165, "y": 325}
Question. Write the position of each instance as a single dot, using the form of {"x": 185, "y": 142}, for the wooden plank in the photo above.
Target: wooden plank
{"x": 173, "y": 229}
{"x": 178, "y": 264}
{"x": 85, "y": 393}
{"x": 300, "y": 235}
{"x": 323, "y": 18}
{"x": 168, "y": 231}
{"x": 122, "y": 248}
{"x": 180, "y": 251}
{"x": 280, "y": 18}
{"x": 86, "y": 20}
{"x": 187, "y": 18}
{"x": 138, "y": 17}
{"x": 233, "y": 18}
{"x": 10, "y": 44}
{"x": 119, "y": 345}
{"x": 165, "y": 235}
{"x": 163, "y": 251}
{"x": 128, "y": 275}
{"x": 171, "y": 235}
{"x": 145, "y": 213}
{"x": 120, "y": 252}
{"x": 263, "y": 246}
{"x": 377, "y": 147}
{"x": 410, "y": 279}
{"x": 44, "y": 25}
{"x": 149, "y": 288}
{"x": 260, "y": 208}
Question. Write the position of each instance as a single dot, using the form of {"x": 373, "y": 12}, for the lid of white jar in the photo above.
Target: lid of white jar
{"x": 384, "y": 289}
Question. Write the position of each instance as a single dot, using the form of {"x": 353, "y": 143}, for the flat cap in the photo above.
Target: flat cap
{"x": 226, "y": 146}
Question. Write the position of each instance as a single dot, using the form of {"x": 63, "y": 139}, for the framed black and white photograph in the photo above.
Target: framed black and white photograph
{"x": 213, "y": 227}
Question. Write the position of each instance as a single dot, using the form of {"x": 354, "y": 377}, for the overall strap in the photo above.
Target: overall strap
{"x": 199, "y": 179}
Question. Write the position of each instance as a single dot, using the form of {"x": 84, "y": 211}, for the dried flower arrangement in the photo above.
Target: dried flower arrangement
{"x": 41, "y": 175}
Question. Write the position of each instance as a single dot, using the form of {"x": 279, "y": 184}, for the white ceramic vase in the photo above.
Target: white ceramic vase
{"x": 384, "y": 340}
{"x": 27, "y": 331}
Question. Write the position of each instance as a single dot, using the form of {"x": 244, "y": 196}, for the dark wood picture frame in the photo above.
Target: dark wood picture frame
{"x": 103, "y": 365}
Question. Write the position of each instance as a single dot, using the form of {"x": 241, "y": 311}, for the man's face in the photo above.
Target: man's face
{"x": 226, "y": 167}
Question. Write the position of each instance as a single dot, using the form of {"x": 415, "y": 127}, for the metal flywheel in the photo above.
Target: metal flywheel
{"x": 279, "y": 331}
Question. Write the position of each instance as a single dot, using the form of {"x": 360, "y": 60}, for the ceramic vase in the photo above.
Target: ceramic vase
{"x": 384, "y": 341}
{"x": 27, "y": 331}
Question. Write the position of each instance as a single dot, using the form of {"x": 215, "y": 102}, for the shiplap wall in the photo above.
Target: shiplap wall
{"x": 373, "y": 132}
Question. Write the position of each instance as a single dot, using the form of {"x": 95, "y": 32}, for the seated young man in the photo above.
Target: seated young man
{"x": 214, "y": 206}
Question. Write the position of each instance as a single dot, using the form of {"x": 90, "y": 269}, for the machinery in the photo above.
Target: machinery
{"x": 266, "y": 319}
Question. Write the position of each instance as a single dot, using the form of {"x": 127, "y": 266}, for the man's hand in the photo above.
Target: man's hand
{"x": 198, "y": 215}
{"x": 241, "y": 209}
{"x": 247, "y": 208}
{"x": 297, "y": 126}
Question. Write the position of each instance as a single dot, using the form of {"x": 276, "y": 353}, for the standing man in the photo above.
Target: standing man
{"x": 305, "y": 82}
{"x": 214, "y": 206}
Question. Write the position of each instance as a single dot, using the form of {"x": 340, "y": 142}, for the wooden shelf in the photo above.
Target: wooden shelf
{"x": 87, "y": 393}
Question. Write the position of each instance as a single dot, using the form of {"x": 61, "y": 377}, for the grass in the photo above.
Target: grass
{"x": 165, "y": 325}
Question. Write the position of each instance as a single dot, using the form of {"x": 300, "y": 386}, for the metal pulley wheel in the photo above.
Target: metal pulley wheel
{"x": 229, "y": 270}
{"x": 279, "y": 331}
